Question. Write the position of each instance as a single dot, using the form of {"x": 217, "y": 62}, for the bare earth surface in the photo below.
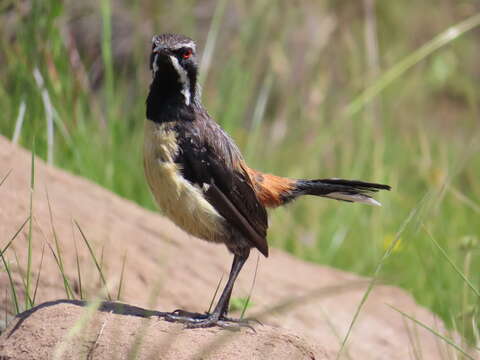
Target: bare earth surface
{"x": 111, "y": 335}
{"x": 306, "y": 308}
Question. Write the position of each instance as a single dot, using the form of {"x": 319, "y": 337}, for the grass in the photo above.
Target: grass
{"x": 300, "y": 102}
{"x": 95, "y": 260}
{"x": 437, "y": 334}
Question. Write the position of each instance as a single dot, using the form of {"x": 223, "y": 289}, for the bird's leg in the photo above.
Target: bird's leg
{"x": 224, "y": 311}
{"x": 243, "y": 321}
{"x": 217, "y": 317}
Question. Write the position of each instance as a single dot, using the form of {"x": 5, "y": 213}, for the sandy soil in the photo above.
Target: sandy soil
{"x": 125, "y": 332}
{"x": 306, "y": 308}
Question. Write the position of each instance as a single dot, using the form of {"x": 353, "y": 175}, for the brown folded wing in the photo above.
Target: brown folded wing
{"x": 208, "y": 156}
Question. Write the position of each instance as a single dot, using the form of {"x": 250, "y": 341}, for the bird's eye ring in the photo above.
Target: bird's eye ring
{"x": 187, "y": 53}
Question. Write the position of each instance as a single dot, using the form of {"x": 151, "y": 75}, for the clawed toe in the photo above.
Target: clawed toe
{"x": 193, "y": 320}
{"x": 248, "y": 321}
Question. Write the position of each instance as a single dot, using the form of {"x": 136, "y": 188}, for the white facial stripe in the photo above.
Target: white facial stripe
{"x": 155, "y": 65}
{"x": 190, "y": 45}
{"x": 182, "y": 79}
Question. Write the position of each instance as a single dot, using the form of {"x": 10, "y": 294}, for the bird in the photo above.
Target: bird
{"x": 200, "y": 180}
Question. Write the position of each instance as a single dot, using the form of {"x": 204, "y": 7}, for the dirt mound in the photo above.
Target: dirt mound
{"x": 119, "y": 331}
{"x": 166, "y": 269}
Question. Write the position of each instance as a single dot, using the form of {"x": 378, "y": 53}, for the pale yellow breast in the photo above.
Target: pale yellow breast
{"x": 181, "y": 201}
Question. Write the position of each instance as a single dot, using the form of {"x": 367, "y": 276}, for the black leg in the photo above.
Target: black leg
{"x": 224, "y": 311}
{"x": 222, "y": 305}
{"x": 217, "y": 317}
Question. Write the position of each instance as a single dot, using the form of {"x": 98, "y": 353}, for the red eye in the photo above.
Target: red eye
{"x": 187, "y": 53}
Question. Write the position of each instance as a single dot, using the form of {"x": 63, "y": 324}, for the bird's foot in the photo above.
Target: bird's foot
{"x": 197, "y": 320}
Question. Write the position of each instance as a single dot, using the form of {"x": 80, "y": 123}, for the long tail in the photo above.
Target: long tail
{"x": 273, "y": 191}
{"x": 340, "y": 189}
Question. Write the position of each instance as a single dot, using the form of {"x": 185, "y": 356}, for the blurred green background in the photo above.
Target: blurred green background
{"x": 384, "y": 91}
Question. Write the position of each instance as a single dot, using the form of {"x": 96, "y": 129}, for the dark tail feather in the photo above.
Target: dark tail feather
{"x": 339, "y": 189}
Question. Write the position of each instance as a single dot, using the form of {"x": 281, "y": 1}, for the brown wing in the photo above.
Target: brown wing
{"x": 208, "y": 156}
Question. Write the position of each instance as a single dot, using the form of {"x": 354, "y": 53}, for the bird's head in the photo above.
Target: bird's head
{"x": 173, "y": 63}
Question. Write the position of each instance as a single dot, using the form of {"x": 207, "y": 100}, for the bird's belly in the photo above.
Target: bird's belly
{"x": 179, "y": 199}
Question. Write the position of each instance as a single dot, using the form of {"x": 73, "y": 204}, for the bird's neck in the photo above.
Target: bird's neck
{"x": 172, "y": 100}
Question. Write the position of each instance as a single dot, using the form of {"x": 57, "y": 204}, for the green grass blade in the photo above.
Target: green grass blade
{"x": 39, "y": 273}
{"x": 94, "y": 258}
{"x": 66, "y": 284}
{"x": 457, "y": 270}
{"x": 282, "y": 307}
{"x": 247, "y": 302}
{"x": 28, "y": 299}
{"x": 379, "y": 266}
{"x": 5, "y": 301}
{"x": 215, "y": 294}
{"x": 5, "y": 177}
{"x": 212, "y": 40}
{"x": 259, "y": 115}
{"x": 48, "y": 108}
{"x": 101, "y": 256}
{"x": 12, "y": 284}
{"x": 19, "y": 122}
{"x": 107, "y": 57}
{"x": 465, "y": 200}
{"x": 14, "y": 236}
{"x": 397, "y": 70}
{"x": 436, "y": 333}
{"x": 79, "y": 273}
{"x": 120, "y": 285}
{"x": 30, "y": 231}
{"x": 7, "y": 267}
{"x": 58, "y": 255}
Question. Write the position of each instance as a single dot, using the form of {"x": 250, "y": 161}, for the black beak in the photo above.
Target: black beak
{"x": 158, "y": 56}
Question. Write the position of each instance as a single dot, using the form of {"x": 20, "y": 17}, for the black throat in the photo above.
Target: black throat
{"x": 165, "y": 101}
